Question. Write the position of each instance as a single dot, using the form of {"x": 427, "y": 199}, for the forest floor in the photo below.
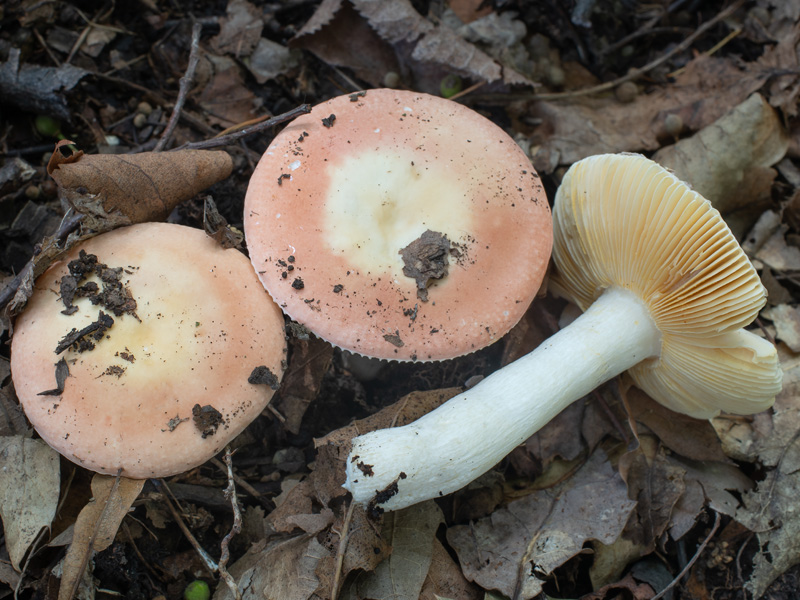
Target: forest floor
{"x": 692, "y": 509}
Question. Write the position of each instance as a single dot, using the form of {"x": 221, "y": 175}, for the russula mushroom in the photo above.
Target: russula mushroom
{"x": 134, "y": 352}
{"x": 666, "y": 290}
{"x": 398, "y": 225}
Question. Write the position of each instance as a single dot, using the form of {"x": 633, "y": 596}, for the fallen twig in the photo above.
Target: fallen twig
{"x": 230, "y": 138}
{"x": 185, "y": 84}
{"x": 209, "y": 563}
{"x": 634, "y": 73}
{"x": 230, "y": 493}
{"x": 693, "y": 560}
{"x": 344, "y": 536}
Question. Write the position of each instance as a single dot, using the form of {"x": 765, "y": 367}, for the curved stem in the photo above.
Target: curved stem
{"x": 465, "y": 437}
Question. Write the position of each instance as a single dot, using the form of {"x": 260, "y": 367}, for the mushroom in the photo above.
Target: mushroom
{"x": 134, "y": 353}
{"x": 666, "y": 290}
{"x": 398, "y": 225}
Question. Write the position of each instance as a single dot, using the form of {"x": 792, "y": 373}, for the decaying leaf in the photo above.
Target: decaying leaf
{"x": 239, "y": 30}
{"x": 50, "y": 250}
{"x": 737, "y": 152}
{"x": 97, "y": 525}
{"x": 770, "y": 510}
{"x": 117, "y": 189}
{"x": 303, "y": 378}
{"x": 445, "y": 579}
{"x": 225, "y": 97}
{"x": 411, "y": 533}
{"x": 787, "y": 324}
{"x": 280, "y": 569}
{"x": 216, "y": 226}
{"x": 574, "y": 129}
{"x": 393, "y": 36}
{"x": 656, "y": 484}
{"x": 777, "y": 254}
{"x": 36, "y": 88}
{"x": 515, "y": 548}
{"x": 29, "y": 489}
{"x": 688, "y": 437}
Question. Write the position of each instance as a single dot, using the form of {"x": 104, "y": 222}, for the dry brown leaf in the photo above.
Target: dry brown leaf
{"x": 225, "y": 97}
{"x": 281, "y": 569}
{"x": 373, "y": 37}
{"x": 29, "y": 489}
{"x": 656, "y": 484}
{"x": 12, "y": 419}
{"x": 445, "y": 579}
{"x": 117, "y": 189}
{"x": 770, "y": 510}
{"x": 729, "y": 161}
{"x": 777, "y": 254}
{"x": 611, "y": 561}
{"x": 97, "y": 525}
{"x": 49, "y": 251}
{"x": 784, "y": 59}
{"x": 540, "y": 532}
{"x": 411, "y": 534}
{"x": 688, "y": 437}
{"x": 301, "y": 383}
{"x": 559, "y": 437}
{"x": 787, "y": 324}
{"x": 239, "y": 30}
{"x": 574, "y": 129}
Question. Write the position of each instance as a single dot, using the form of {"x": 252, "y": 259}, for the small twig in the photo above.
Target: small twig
{"x": 344, "y": 535}
{"x": 185, "y": 85}
{"x": 239, "y": 480}
{"x": 44, "y": 45}
{"x": 711, "y": 51}
{"x": 204, "y": 556}
{"x": 230, "y": 138}
{"x": 230, "y": 493}
{"x": 634, "y": 73}
{"x": 468, "y": 90}
{"x": 693, "y": 560}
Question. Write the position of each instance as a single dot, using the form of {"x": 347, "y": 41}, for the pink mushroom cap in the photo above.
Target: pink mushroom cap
{"x": 354, "y": 208}
{"x": 142, "y": 401}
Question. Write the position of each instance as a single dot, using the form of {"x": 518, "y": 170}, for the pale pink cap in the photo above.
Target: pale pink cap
{"x": 202, "y": 324}
{"x": 341, "y": 191}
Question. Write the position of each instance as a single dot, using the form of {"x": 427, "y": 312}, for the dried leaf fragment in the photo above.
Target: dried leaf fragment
{"x": 116, "y": 189}
{"x": 29, "y": 489}
{"x": 97, "y": 525}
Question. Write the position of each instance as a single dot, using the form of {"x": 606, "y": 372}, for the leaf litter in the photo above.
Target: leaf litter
{"x": 584, "y": 504}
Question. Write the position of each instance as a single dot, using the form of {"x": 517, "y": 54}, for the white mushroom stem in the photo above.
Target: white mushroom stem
{"x": 469, "y": 434}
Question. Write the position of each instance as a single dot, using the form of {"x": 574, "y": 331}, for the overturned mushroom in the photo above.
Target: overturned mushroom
{"x": 398, "y": 225}
{"x": 666, "y": 290}
{"x": 134, "y": 352}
